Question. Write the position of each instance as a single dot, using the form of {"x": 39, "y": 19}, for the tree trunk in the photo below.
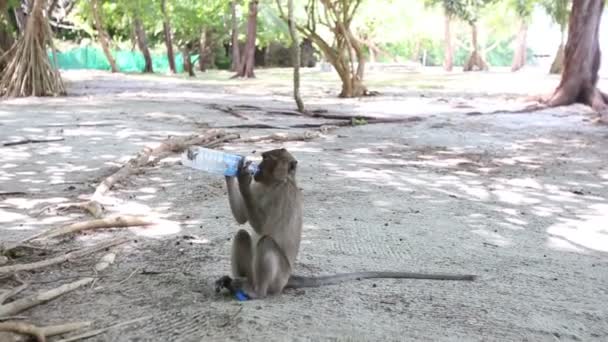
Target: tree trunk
{"x": 475, "y": 62}
{"x": 188, "y": 67}
{"x": 519, "y": 57}
{"x": 245, "y": 68}
{"x": 168, "y": 39}
{"x": 207, "y": 43}
{"x": 236, "y": 53}
{"x": 582, "y": 59}
{"x": 448, "y": 60}
{"x": 202, "y": 51}
{"x": 29, "y": 71}
{"x": 295, "y": 56}
{"x": 142, "y": 43}
{"x": 103, "y": 35}
{"x": 558, "y": 62}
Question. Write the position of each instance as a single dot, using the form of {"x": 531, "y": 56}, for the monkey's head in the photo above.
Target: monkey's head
{"x": 277, "y": 166}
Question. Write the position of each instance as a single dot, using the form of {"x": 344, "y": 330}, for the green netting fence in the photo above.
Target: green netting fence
{"x": 127, "y": 61}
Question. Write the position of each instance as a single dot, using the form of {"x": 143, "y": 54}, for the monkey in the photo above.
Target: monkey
{"x": 262, "y": 263}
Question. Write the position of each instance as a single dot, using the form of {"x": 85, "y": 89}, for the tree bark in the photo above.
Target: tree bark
{"x": 519, "y": 57}
{"x": 236, "y": 53}
{"x": 168, "y": 38}
{"x": 202, "y": 50}
{"x": 20, "y": 18}
{"x": 295, "y": 57}
{"x": 582, "y": 60}
{"x": 245, "y": 68}
{"x": 103, "y": 35}
{"x": 448, "y": 60}
{"x": 187, "y": 62}
{"x": 142, "y": 43}
{"x": 475, "y": 62}
{"x": 558, "y": 62}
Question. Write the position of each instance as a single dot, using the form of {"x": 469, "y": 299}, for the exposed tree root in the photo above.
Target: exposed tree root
{"x": 58, "y": 260}
{"x": 41, "y": 333}
{"x": 19, "y": 305}
{"x": 109, "y": 222}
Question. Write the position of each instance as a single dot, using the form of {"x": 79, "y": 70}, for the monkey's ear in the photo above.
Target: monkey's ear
{"x": 292, "y": 165}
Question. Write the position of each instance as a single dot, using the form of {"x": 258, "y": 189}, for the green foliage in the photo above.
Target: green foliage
{"x": 467, "y": 10}
{"x": 558, "y": 10}
{"x": 523, "y": 8}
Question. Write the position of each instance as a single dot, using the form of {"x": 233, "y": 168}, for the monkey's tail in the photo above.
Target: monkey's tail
{"x": 300, "y": 282}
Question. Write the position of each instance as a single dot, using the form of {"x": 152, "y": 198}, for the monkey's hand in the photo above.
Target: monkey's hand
{"x": 244, "y": 176}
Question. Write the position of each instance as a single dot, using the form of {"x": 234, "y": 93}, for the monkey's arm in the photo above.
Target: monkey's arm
{"x": 237, "y": 206}
{"x": 255, "y": 215}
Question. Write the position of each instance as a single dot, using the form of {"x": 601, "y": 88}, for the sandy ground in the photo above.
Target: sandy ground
{"x": 519, "y": 199}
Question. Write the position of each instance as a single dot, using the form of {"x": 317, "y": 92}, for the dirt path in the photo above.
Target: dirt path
{"x": 521, "y": 200}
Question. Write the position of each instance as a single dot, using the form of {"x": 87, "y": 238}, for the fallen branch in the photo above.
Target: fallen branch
{"x": 102, "y": 330}
{"x": 19, "y": 305}
{"x": 32, "y": 141}
{"x": 143, "y": 157}
{"x": 61, "y": 258}
{"x": 186, "y": 144}
{"x": 92, "y": 207}
{"x": 42, "y": 332}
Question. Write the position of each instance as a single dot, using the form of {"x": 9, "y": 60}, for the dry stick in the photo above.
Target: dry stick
{"x": 19, "y": 305}
{"x": 61, "y": 258}
{"x": 65, "y": 328}
{"x": 31, "y": 141}
{"x": 92, "y": 207}
{"x": 228, "y": 110}
{"x": 102, "y": 330}
{"x": 109, "y": 222}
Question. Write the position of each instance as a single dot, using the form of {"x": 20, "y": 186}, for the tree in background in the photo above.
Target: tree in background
{"x": 346, "y": 51}
{"x": 168, "y": 35}
{"x": 247, "y": 61}
{"x": 582, "y": 60}
{"x": 469, "y": 11}
{"x": 236, "y": 51}
{"x": 104, "y": 39}
{"x": 523, "y": 9}
{"x": 451, "y": 9}
{"x": 29, "y": 72}
{"x": 6, "y": 32}
{"x": 559, "y": 11}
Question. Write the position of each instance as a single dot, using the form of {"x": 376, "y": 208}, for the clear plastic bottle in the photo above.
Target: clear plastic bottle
{"x": 214, "y": 161}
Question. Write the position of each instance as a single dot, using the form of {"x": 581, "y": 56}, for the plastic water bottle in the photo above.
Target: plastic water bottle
{"x": 214, "y": 161}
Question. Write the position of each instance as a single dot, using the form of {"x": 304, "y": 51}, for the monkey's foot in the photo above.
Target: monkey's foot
{"x": 234, "y": 286}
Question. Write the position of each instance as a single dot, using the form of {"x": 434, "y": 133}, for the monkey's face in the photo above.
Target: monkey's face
{"x": 277, "y": 166}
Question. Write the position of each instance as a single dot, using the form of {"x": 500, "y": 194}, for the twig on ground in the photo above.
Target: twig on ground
{"x": 61, "y": 258}
{"x": 19, "y": 305}
{"x": 31, "y": 141}
{"x": 92, "y": 207}
{"x": 102, "y": 330}
{"x": 11, "y": 318}
{"x": 129, "y": 277}
{"x": 109, "y": 222}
